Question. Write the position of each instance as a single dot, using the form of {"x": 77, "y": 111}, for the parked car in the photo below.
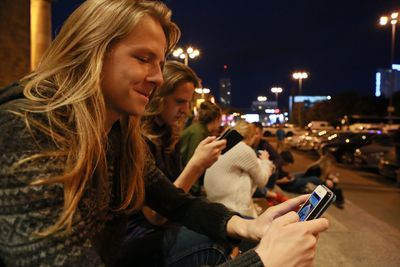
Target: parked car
{"x": 289, "y": 129}
{"x": 319, "y": 125}
{"x": 369, "y": 156}
{"x": 312, "y": 140}
{"x": 389, "y": 165}
{"x": 344, "y": 148}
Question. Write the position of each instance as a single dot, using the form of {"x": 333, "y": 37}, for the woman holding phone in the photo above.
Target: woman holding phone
{"x": 73, "y": 160}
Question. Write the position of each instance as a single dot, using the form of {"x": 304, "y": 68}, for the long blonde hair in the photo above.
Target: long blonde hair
{"x": 247, "y": 130}
{"x": 174, "y": 73}
{"x": 66, "y": 88}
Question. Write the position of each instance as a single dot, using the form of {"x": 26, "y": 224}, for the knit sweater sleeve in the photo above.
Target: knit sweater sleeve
{"x": 195, "y": 213}
{"x": 246, "y": 159}
{"x": 26, "y": 209}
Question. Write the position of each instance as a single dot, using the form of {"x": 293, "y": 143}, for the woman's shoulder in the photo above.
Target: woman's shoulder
{"x": 17, "y": 135}
{"x": 244, "y": 149}
{"x": 12, "y": 122}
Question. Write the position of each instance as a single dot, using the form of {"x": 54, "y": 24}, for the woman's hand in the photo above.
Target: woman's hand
{"x": 207, "y": 152}
{"x": 255, "y": 229}
{"x": 263, "y": 155}
{"x": 289, "y": 242}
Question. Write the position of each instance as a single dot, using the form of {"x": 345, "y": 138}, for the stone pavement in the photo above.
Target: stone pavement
{"x": 366, "y": 233}
{"x": 357, "y": 239}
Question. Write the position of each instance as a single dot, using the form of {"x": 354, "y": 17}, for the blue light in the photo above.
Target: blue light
{"x": 396, "y": 67}
{"x": 378, "y": 84}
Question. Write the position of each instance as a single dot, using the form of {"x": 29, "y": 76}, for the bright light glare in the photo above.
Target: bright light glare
{"x": 261, "y": 98}
{"x": 300, "y": 75}
{"x": 182, "y": 56}
{"x": 276, "y": 90}
{"x": 202, "y": 90}
{"x": 383, "y": 20}
{"x": 206, "y": 90}
{"x": 393, "y": 21}
{"x": 378, "y": 84}
{"x": 176, "y": 53}
{"x": 189, "y": 50}
{"x": 394, "y": 15}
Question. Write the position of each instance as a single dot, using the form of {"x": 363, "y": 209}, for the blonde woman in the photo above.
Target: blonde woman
{"x": 73, "y": 162}
{"x": 233, "y": 179}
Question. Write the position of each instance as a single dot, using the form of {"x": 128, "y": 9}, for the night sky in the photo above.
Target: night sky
{"x": 338, "y": 42}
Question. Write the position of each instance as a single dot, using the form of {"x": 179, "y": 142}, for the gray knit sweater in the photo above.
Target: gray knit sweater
{"x": 96, "y": 231}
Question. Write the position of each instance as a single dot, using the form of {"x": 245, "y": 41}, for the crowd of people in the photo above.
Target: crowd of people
{"x": 96, "y": 166}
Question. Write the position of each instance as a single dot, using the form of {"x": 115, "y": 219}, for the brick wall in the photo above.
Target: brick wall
{"x": 14, "y": 40}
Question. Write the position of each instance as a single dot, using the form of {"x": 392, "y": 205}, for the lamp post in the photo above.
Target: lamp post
{"x": 384, "y": 20}
{"x": 276, "y": 91}
{"x": 300, "y": 76}
{"x": 261, "y": 98}
{"x": 202, "y": 91}
{"x": 190, "y": 52}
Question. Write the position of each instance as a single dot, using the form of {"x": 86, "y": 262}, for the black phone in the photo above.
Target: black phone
{"x": 316, "y": 204}
{"x": 232, "y": 138}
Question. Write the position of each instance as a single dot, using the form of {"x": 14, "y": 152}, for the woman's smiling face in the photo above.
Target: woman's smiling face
{"x": 132, "y": 69}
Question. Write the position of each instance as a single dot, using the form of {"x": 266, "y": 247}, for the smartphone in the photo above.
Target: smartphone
{"x": 316, "y": 204}
{"x": 232, "y": 138}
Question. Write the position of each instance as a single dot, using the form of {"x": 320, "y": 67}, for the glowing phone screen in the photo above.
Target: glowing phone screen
{"x": 309, "y": 206}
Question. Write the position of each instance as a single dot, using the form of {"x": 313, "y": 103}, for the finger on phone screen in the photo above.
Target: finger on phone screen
{"x": 289, "y": 205}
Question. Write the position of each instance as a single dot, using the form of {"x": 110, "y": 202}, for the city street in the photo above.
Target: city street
{"x": 367, "y": 232}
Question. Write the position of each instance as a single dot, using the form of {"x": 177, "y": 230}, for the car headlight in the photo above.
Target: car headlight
{"x": 333, "y": 149}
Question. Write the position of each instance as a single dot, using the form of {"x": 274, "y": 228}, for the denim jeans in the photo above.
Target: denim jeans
{"x": 174, "y": 246}
{"x": 183, "y": 247}
{"x": 298, "y": 185}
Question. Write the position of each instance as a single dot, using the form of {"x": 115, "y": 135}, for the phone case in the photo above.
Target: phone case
{"x": 232, "y": 138}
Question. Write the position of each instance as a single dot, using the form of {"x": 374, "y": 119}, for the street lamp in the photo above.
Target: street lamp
{"x": 384, "y": 20}
{"x": 261, "y": 98}
{"x": 276, "y": 91}
{"x": 185, "y": 55}
{"x": 299, "y": 76}
{"x": 202, "y": 91}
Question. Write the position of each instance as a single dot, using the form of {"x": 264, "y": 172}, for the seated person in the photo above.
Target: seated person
{"x": 318, "y": 172}
{"x": 235, "y": 176}
{"x": 271, "y": 191}
{"x": 73, "y": 158}
{"x": 206, "y": 124}
{"x": 322, "y": 168}
{"x": 161, "y": 127}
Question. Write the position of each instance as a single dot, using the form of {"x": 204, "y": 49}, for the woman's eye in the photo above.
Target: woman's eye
{"x": 142, "y": 59}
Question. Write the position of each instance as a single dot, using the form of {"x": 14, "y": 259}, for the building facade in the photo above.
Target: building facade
{"x": 225, "y": 91}
{"x": 387, "y": 81}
